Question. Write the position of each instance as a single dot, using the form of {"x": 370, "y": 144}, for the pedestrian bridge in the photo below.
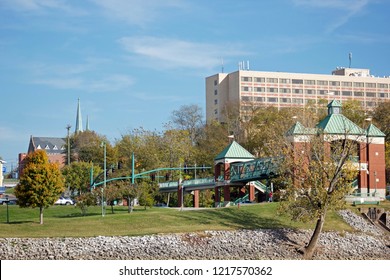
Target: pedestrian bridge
{"x": 241, "y": 173}
{"x": 254, "y": 170}
{"x": 188, "y": 185}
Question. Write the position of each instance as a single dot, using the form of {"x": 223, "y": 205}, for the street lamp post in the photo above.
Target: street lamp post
{"x": 7, "y": 199}
{"x": 104, "y": 174}
{"x": 369, "y": 120}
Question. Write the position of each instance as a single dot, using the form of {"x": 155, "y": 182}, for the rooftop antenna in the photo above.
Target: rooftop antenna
{"x": 222, "y": 64}
{"x": 350, "y": 59}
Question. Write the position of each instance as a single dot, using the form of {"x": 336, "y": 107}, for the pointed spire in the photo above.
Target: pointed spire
{"x": 79, "y": 123}
{"x": 87, "y": 125}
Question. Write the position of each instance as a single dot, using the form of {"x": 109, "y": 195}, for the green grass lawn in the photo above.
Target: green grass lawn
{"x": 67, "y": 221}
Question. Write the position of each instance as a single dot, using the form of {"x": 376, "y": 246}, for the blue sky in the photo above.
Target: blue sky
{"x": 133, "y": 62}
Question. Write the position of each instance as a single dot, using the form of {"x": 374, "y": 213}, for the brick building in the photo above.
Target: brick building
{"x": 54, "y": 147}
{"x": 370, "y": 152}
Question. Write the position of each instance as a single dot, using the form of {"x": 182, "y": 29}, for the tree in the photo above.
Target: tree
{"x": 145, "y": 194}
{"x": 129, "y": 192}
{"x": 319, "y": 174}
{"x": 232, "y": 120}
{"x": 264, "y": 132}
{"x": 85, "y": 200}
{"x": 354, "y": 111}
{"x": 77, "y": 176}
{"x": 188, "y": 117}
{"x": 177, "y": 146}
{"x": 213, "y": 138}
{"x": 41, "y": 183}
{"x": 112, "y": 193}
{"x": 145, "y": 144}
{"x": 86, "y": 147}
{"x": 381, "y": 117}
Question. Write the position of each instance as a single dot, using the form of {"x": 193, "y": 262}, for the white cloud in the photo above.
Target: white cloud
{"x": 351, "y": 8}
{"x": 112, "y": 82}
{"x": 88, "y": 76}
{"x": 349, "y": 5}
{"x": 136, "y": 11}
{"x": 40, "y": 6}
{"x": 165, "y": 53}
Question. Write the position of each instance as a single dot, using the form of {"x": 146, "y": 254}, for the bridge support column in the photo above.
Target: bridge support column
{"x": 179, "y": 195}
{"x": 226, "y": 195}
{"x": 196, "y": 199}
{"x": 217, "y": 197}
{"x": 251, "y": 192}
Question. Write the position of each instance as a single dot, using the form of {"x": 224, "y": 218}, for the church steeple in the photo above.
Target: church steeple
{"x": 79, "y": 123}
{"x": 87, "y": 125}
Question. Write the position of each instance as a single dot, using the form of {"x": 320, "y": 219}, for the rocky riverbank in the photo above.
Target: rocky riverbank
{"x": 368, "y": 243}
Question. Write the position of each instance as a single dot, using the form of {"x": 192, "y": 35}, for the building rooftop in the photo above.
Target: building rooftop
{"x": 52, "y": 145}
{"x": 234, "y": 150}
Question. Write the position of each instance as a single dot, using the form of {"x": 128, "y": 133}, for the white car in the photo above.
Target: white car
{"x": 64, "y": 201}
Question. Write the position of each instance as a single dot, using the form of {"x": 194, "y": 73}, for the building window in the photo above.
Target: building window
{"x": 383, "y": 86}
{"x": 358, "y": 84}
{"x": 272, "y": 99}
{"x": 346, "y": 93}
{"x": 310, "y": 91}
{"x": 259, "y": 99}
{"x": 322, "y": 83}
{"x": 334, "y": 83}
{"x": 370, "y": 94}
{"x": 297, "y": 82}
{"x": 383, "y": 95}
{"x": 285, "y": 90}
{"x": 346, "y": 84}
{"x": 272, "y": 80}
{"x": 260, "y": 80}
{"x": 215, "y": 92}
{"x": 216, "y": 111}
{"x": 246, "y": 79}
{"x": 297, "y": 100}
{"x": 272, "y": 89}
{"x": 246, "y": 88}
{"x": 310, "y": 82}
{"x": 260, "y": 89}
{"x": 297, "y": 91}
{"x": 371, "y": 104}
{"x": 245, "y": 98}
{"x": 358, "y": 93}
{"x": 371, "y": 85}
{"x": 322, "y": 92}
{"x": 285, "y": 100}
{"x": 215, "y": 101}
{"x": 215, "y": 82}
{"x": 285, "y": 81}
